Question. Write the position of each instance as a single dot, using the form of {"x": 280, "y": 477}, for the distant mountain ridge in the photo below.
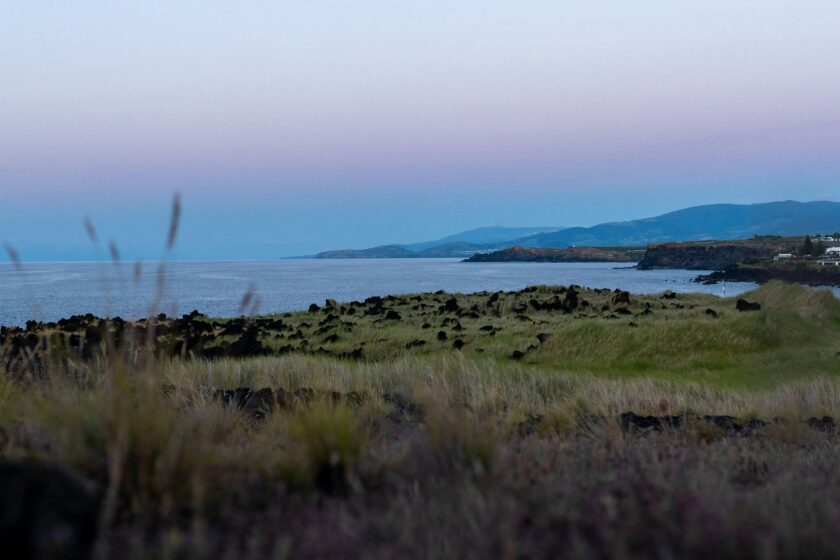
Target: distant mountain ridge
{"x": 490, "y": 236}
{"x": 461, "y": 244}
{"x": 697, "y": 223}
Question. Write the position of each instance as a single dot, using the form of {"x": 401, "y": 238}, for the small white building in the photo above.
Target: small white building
{"x": 783, "y": 256}
{"x": 833, "y": 251}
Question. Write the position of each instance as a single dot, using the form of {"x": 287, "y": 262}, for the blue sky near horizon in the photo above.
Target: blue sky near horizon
{"x": 296, "y": 127}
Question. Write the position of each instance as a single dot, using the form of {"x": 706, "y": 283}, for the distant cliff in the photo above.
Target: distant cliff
{"x": 716, "y": 255}
{"x": 571, "y": 254}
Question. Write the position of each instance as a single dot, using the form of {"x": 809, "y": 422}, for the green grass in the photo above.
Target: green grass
{"x": 793, "y": 336}
{"x": 494, "y": 456}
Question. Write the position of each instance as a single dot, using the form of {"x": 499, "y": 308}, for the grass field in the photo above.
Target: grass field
{"x": 380, "y": 437}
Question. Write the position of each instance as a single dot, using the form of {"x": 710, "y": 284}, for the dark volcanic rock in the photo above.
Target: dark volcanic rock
{"x": 744, "y": 305}
{"x": 405, "y": 410}
{"x": 232, "y": 397}
{"x": 530, "y": 425}
{"x": 824, "y": 424}
{"x": 259, "y": 404}
{"x": 722, "y": 421}
{"x": 620, "y": 296}
{"x": 450, "y": 305}
{"x": 630, "y": 421}
{"x": 248, "y": 345}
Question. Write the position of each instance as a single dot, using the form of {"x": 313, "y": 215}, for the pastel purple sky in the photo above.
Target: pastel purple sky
{"x": 293, "y": 127}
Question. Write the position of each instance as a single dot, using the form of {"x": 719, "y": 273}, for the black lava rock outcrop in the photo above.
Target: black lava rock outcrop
{"x": 744, "y": 305}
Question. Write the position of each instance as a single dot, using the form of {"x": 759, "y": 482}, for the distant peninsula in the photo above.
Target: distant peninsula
{"x": 457, "y": 249}
{"x": 567, "y": 255}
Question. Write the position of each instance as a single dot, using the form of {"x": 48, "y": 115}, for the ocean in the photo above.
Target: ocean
{"x": 50, "y": 291}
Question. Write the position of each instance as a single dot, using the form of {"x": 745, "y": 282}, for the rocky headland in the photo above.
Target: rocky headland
{"x": 570, "y": 254}
{"x": 716, "y": 255}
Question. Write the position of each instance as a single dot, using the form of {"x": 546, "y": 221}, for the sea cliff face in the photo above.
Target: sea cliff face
{"x": 714, "y": 255}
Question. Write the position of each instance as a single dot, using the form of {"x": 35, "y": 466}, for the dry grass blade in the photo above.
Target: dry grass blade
{"x": 255, "y": 306}
{"x": 13, "y": 255}
{"x": 91, "y": 231}
{"x": 114, "y": 251}
{"x": 161, "y": 279}
{"x": 173, "y": 223}
{"x": 246, "y": 298}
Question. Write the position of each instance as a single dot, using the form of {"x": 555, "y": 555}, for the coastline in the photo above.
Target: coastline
{"x": 807, "y": 273}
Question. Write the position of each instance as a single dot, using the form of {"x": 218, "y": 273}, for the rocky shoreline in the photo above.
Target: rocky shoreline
{"x": 808, "y": 273}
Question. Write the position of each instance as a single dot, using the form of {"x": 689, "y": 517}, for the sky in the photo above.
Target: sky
{"x": 294, "y": 127}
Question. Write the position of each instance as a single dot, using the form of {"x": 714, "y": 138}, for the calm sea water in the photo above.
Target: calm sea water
{"x": 49, "y": 291}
